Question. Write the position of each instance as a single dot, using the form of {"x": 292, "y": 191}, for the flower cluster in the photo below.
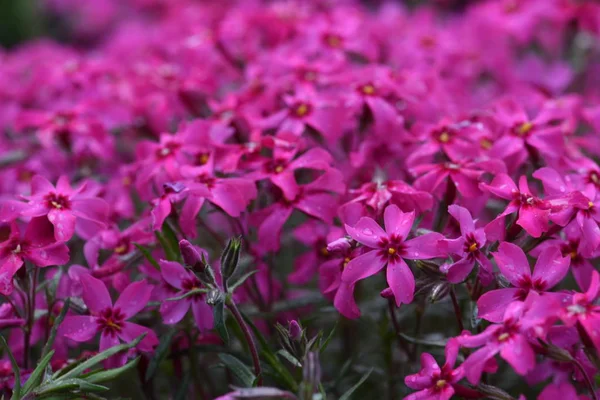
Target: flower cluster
{"x": 430, "y": 169}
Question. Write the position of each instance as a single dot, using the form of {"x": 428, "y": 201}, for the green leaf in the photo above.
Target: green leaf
{"x": 15, "y": 367}
{"x": 168, "y": 241}
{"x": 239, "y": 369}
{"x": 219, "y": 320}
{"x": 68, "y": 385}
{"x": 432, "y": 343}
{"x": 101, "y": 357}
{"x": 102, "y": 376}
{"x": 148, "y": 256}
{"x": 329, "y": 337}
{"x": 38, "y": 373}
{"x": 243, "y": 278}
{"x": 159, "y": 354}
{"x": 183, "y": 388}
{"x": 280, "y": 370}
{"x": 188, "y": 294}
{"x": 55, "y": 325}
{"x": 288, "y": 356}
{"x": 348, "y": 394}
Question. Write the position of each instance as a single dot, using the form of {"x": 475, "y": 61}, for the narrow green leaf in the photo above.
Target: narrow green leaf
{"x": 15, "y": 367}
{"x": 168, "y": 241}
{"x": 182, "y": 393}
{"x": 102, "y": 376}
{"x": 348, "y": 394}
{"x": 188, "y": 294}
{"x": 288, "y": 356}
{"x": 38, "y": 373}
{"x": 240, "y": 281}
{"x": 280, "y": 370}
{"x": 432, "y": 343}
{"x": 55, "y": 325}
{"x": 239, "y": 369}
{"x": 160, "y": 354}
{"x": 328, "y": 339}
{"x": 219, "y": 320}
{"x": 148, "y": 256}
{"x": 101, "y": 357}
{"x": 68, "y": 385}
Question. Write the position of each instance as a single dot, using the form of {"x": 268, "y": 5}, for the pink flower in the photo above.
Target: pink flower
{"x": 67, "y": 209}
{"x": 435, "y": 382}
{"x": 388, "y": 247}
{"x": 469, "y": 247}
{"x": 111, "y": 321}
{"x": 37, "y": 246}
{"x": 550, "y": 268}
{"x": 184, "y": 281}
{"x": 534, "y": 213}
{"x": 509, "y": 338}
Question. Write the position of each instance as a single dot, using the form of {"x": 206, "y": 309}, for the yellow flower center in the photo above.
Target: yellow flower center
{"x": 525, "y": 128}
{"x": 278, "y": 168}
{"x": 473, "y": 247}
{"x": 444, "y": 137}
{"x": 440, "y": 383}
{"x": 56, "y": 205}
{"x": 203, "y": 159}
{"x": 503, "y": 337}
{"x": 485, "y": 143}
{"x": 301, "y": 110}
{"x": 368, "y": 89}
{"x": 346, "y": 261}
{"x": 590, "y": 204}
{"x": 391, "y": 251}
{"x": 324, "y": 251}
{"x": 121, "y": 249}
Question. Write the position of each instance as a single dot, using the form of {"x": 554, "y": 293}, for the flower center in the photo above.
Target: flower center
{"x": 444, "y": 137}
{"x": 122, "y": 247}
{"x": 333, "y": 41}
{"x": 503, "y": 336}
{"x": 576, "y": 309}
{"x": 57, "y": 201}
{"x": 111, "y": 320}
{"x": 203, "y": 158}
{"x": 485, "y": 143}
{"x": 17, "y": 249}
{"x": 324, "y": 252}
{"x": 301, "y": 110}
{"x": 346, "y": 261}
{"x": 473, "y": 247}
{"x": 590, "y": 204}
{"x": 524, "y": 129}
{"x": 368, "y": 89}
{"x": 440, "y": 383}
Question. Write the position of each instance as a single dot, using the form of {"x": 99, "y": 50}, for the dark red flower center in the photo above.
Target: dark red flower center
{"x": 57, "y": 201}
{"x": 392, "y": 248}
{"x": 111, "y": 320}
{"x": 301, "y": 109}
{"x": 522, "y": 129}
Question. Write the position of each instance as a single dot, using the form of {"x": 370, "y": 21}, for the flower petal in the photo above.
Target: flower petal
{"x": 79, "y": 328}
{"x": 396, "y": 222}
{"x": 134, "y": 298}
{"x": 367, "y": 232}
{"x": 402, "y": 282}
{"x": 512, "y": 262}
{"x": 362, "y": 267}
{"x": 551, "y": 267}
{"x": 95, "y": 294}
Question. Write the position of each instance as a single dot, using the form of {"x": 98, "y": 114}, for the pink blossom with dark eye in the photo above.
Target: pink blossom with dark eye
{"x": 37, "y": 245}
{"x": 389, "y": 248}
{"x": 67, "y": 209}
{"x": 533, "y": 212}
{"x": 550, "y": 268}
{"x": 439, "y": 383}
{"x": 184, "y": 281}
{"x": 111, "y": 321}
{"x": 468, "y": 248}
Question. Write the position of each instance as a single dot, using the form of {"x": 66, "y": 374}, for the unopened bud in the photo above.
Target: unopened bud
{"x": 214, "y": 296}
{"x": 196, "y": 261}
{"x": 387, "y": 293}
{"x": 230, "y": 257}
{"x": 295, "y": 330}
{"x": 342, "y": 244}
{"x": 439, "y": 291}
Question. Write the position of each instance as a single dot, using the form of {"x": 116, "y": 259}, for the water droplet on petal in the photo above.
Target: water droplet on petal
{"x": 368, "y": 231}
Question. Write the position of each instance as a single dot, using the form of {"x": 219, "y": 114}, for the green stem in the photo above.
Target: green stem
{"x": 248, "y": 336}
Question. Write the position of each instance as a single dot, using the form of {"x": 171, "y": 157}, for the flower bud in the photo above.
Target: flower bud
{"x": 213, "y": 297}
{"x": 196, "y": 261}
{"x": 342, "y": 244}
{"x": 295, "y": 330}
{"x": 387, "y": 293}
{"x": 230, "y": 257}
{"x": 439, "y": 291}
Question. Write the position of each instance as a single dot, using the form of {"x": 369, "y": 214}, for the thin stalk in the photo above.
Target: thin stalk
{"x": 457, "y": 311}
{"x": 587, "y": 379}
{"x": 248, "y": 336}
{"x": 401, "y": 341}
{"x": 30, "y": 317}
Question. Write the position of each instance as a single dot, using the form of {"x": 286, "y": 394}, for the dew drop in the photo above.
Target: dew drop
{"x": 368, "y": 231}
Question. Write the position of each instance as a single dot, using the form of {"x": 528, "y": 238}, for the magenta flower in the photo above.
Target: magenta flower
{"x": 468, "y": 247}
{"x": 510, "y": 339}
{"x": 67, "y": 209}
{"x": 111, "y": 321}
{"x": 375, "y": 196}
{"x": 184, "y": 281}
{"x": 232, "y": 195}
{"x": 534, "y": 213}
{"x": 581, "y": 311}
{"x": 36, "y": 245}
{"x": 464, "y": 175}
{"x": 388, "y": 248}
{"x": 435, "y": 382}
{"x": 550, "y": 268}
{"x": 281, "y": 169}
